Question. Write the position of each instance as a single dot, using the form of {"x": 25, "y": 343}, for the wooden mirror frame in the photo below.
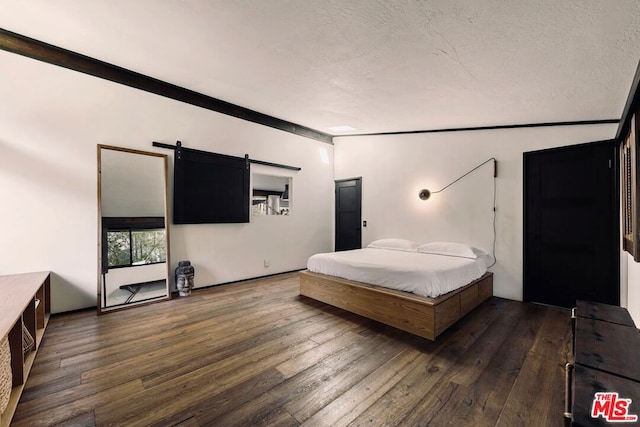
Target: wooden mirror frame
{"x": 100, "y": 308}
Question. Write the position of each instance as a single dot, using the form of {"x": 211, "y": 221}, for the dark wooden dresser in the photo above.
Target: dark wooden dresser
{"x": 603, "y": 381}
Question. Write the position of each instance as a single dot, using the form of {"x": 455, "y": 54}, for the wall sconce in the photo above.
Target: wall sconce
{"x": 424, "y": 194}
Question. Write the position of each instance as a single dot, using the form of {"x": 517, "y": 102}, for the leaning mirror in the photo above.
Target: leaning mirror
{"x": 133, "y": 256}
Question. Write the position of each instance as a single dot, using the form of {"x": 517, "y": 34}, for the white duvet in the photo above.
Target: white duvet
{"x": 423, "y": 274}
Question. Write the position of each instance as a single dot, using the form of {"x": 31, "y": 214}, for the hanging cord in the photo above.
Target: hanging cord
{"x": 495, "y": 174}
{"x": 495, "y": 234}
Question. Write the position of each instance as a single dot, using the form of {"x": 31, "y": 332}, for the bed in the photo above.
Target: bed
{"x": 421, "y": 289}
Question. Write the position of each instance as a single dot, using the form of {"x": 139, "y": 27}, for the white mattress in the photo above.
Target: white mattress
{"x": 423, "y": 274}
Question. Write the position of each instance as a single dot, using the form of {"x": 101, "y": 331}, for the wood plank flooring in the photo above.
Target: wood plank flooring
{"x": 256, "y": 353}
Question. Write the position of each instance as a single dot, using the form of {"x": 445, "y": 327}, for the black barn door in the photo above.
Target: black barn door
{"x": 348, "y": 214}
{"x": 571, "y": 225}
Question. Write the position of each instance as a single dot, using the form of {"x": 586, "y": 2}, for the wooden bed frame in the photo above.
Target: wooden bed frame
{"x": 425, "y": 317}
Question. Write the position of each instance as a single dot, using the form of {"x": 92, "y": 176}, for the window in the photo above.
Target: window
{"x": 629, "y": 186}
{"x": 135, "y": 247}
{"x": 271, "y": 195}
{"x": 131, "y": 241}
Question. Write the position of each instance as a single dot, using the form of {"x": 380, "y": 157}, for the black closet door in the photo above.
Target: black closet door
{"x": 348, "y": 205}
{"x": 571, "y": 225}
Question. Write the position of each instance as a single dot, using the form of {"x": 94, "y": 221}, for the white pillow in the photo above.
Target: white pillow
{"x": 461, "y": 250}
{"x": 395, "y": 244}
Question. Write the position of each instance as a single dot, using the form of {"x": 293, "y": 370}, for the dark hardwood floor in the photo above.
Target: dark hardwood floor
{"x": 256, "y": 353}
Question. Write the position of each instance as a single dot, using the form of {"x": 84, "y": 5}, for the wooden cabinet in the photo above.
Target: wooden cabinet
{"x": 588, "y": 382}
{"x": 604, "y": 312}
{"x": 605, "y": 374}
{"x": 25, "y": 306}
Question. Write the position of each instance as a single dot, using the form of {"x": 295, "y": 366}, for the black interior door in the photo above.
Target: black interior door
{"x": 571, "y": 225}
{"x": 348, "y": 214}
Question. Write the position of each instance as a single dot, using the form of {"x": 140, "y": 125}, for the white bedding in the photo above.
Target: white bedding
{"x": 423, "y": 274}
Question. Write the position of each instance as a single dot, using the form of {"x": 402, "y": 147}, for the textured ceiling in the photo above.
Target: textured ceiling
{"x": 378, "y": 66}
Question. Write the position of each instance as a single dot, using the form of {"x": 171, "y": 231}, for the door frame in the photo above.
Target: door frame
{"x": 335, "y": 208}
{"x": 615, "y": 204}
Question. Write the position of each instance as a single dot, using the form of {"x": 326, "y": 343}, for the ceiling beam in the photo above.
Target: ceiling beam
{"x": 41, "y": 51}
{"x": 477, "y": 128}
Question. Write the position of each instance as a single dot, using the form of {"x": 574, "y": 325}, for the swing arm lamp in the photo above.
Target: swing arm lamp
{"x": 424, "y": 194}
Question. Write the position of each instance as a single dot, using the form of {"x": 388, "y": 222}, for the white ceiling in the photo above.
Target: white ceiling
{"x": 378, "y": 66}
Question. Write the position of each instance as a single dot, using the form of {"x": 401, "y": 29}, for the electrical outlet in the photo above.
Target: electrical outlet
{"x": 266, "y": 262}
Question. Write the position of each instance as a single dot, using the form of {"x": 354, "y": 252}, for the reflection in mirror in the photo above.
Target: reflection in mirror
{"x": 271, "y": 195}
{"x": 132, "y": 199}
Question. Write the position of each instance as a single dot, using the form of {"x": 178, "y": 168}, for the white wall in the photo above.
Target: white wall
{"x": 632, "y": 273}
{"x": 395, "y": 167}
{"x": 51, "y": 120}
